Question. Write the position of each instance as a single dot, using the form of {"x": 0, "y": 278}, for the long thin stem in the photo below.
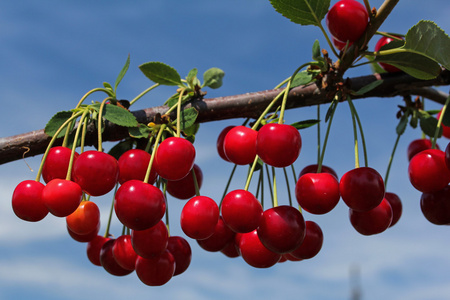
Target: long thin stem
{"x": 74, "y": 146}
{"x": 363, "y": 140}
{"x": 179, "y": 112}
{"x": 143, "y": 93}
{"x": 439, "y": 124}
{"x": 318, "y": 136}
{"x": 228, "y": 185}
{"x": 108, "y": 225}
{"x": 100, "y": 123}
{"x": 287, "y": 186}
{"x": 325, "y": 142}
{"x": 250, "y": 174}
{"x": 391, "y": 159}
{"x": 155, "y": 147}
{"x": 275, "y": 194}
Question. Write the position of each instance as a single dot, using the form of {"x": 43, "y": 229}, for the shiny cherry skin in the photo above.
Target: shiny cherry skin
{"x": 139, "y": 205}
{"x": 384, "y": 40}
{"x": 27, "y": 201}
{"x": 241, "y": 211}
{"x": 150, "y": 242}
{"x": 362, "y": 189}
{"x": 428, "y": 172}
{"x": 174, "y": 158}
{"x": 313, "y": 169}
{"x": 239, "y": 145}
{"x": 108, "y": 261}
{"x": 84, "y": 238}
{"x": 417, "y": 146}
{"x": 231, "y": 250}
{"x": 199, "y": 217}
{"x": 312, "y": 243}
{"x": 62, "y": 197}
{"x": 133, "y": 164}
{"x": 84, "y": 219}
{"x": 347, "y": 20}
{"x": 94, "y": 247}
{"x": 317, "y": 193}
{"x": 96, "y": 172}
{"x": 339, "y": 45}
{"x": 219, "y": 143}
{"x": 57, "y": 163}
{"x": 373, "y": 221}
{"x": 396, "y": 205}
{"x": 278, "y": 145}
{"x": 156, "y": 271}
{"x": 255, "y": 253}
{"x": 185, "y": 188}
{"x": 124, "y": 253}
{"x": 221, "y": 237}
{"x": 181, "y": 251}
{"x": 435, "y": 206}
{"x": 445, "y": 128}
{"x": 281, "y": 229}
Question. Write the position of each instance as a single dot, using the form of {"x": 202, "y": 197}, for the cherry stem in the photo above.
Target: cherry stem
{"x": 197, "y": 188}
{"x": 270, "y": 183}
{"x": 369, "y": 9}
{"x": 100, "y": 123}
{"x": 108, "y": 225}
{"x": 250, "y": 174}
{"x": 179, "y": 112}
{"x": 287, "y": 186}
{"x": 167, "y": 205}
{"x": 260, "y": 187}
{"x": 275, "y": 195}
{"x": 439, "y": 124}
{"x": 294, "y": 173}
{"x": 74, "y": 146}
{"x": 363, "y": 141}
{"x": 152, "y": 158}
{"x": 391, "y": 159}
{"x": 325, "y": 142}
{"x": 228, "y": 185}
{"x": 318, "y": 137}
{"x": 143, "y": 93}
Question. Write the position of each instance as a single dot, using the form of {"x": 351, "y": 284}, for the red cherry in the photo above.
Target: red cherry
{"x": 139, "y": 205}
{"x": 96, "y": 172}
{"x": 61, "y": 197}
{"x": 181, "y": 251}
{"x": 317, "y": 193}
{"x": 175, "y": 158}
{"x": 124, "y": 253}
{"x": 156, "y": 271}
{"x": 435, "y": 206}
{"x": 133, "y": 164}
{"x": 84, "y": 219}
{"x": 347, "y": 20}
{"x": 185, "y": 188}
{"x": 281, "y": 229}
{"x": 219, "y": 143}
{"x": 396, "y": 205}
{"x": 239, "y": 145}
{"x": 445, "y": 129}
{"x": 221, "y": 237}
{"x": 340, "y": 45}
{"x": 278, "y": 145}
{"x": 362, "y": 188}
{"x": 27, "y": 202}
{"x": 199, "y": 217}
{"x": 84, "y": 238}
{"x": 150, "y": 242}
{"x": 231, "y": 250}
{"x": 384, "y": 40}
{"x": 241, "y": 211}
{"x": 373, "y": 221}
{"x": 313, "y": 169}
{"x": 93, "y": 249}
{"x": 255, "y": 253}
{"x": 108, "y": 261}
{"x": 447, "y": 156}
{"x": 428, "y": 172}
{"x": 312, "y": 243}
{"x": 417, "y": 146}
{"x": 57, "y": 163}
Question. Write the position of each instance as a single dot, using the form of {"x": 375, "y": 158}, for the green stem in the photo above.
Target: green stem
{"x": 439, "y": 124}
{"x": 363, "y": 140}
{"x": 167, "y": 206}
{"x": 197, "y": 189}
{"x": 155, "y": 147}
{"x": 318, "y": 136}
{"x": 228, "y": 185}
{"x": 391, "y": 159}
{"x": 108, "y": 225}
{"x": 143, "y": 93}
{"x": 74, "y": 146}
{"x": 294, "y": 173}
{"x": 355, "y": 138}
{"x": 250, "y": 174}
{"x": 179, "y": 113}
{"x": 287, "y": 186}
{"x": 369, "y": 9}
{"x": 100, "y": 123}
{"x": 270, "y": 183}
{"x": 325, "y": 142}
{"x": 275, "y": 195}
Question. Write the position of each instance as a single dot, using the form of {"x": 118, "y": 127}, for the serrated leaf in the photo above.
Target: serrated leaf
{"x": 401, "y": 127}
{"x": 56, "y": 122}
{"x": 140, "y": 131}
{"x": 303, "y": 78}
{"x": 303, "y": 12}
{"x": 192, "y": 75}
{"x": 368, "y": 88}
{"x": 428, "y": 125}
{"x": 188, "y": 117}
{"x": 117, "y": 115}
{"x": 305, "y": 124}
{"x": 213, "y": 78}
{"x": 122, "y": 73}
{"x": 161, "y": 73}
{"x": 316, "y": 53}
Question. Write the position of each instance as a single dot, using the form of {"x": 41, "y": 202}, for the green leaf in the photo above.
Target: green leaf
{"x": 192, "y": 76}
{"x": 305, "y": 124}
{"x": 120, "y": 148}
{"x": 368, "y": 88}
{"x": 174, "y": 99}
{"x": 122, "y": 73}
{"x": 428, "y": 125}
{"x": 161, "y": 73}
{"x": 117, "y": 115}
{"x": 188, "y": 117}
{"x": 108, "y": 86}
{"x": 56, "y": 122}
{"x": 140, "y": 131}
{"x": 446, "y": 117}
{"x": 213, "y": 78}
{"x": 303, "y": 12}
{"x": 401, "y": 127}
{"x": 316, "y": 53}
{"x": 192, "y": 130}
{"x": 304, "y": 77}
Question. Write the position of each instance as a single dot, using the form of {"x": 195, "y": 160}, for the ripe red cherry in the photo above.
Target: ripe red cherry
{"x": 317, "y": 193}
{"x": 84, "y": 219}
{"x": 185, "y": 188}
{"x": 278, "y": 145}
{"x": 174, "y": 158}
{"x": 373, "y": 221}
{"x": 396, "y": 205}
{"x": 384, "y": 40}
{"x": 84, "y": 238}
{"x": 239, "y": 145}
{"x": 61, "y": 197}
{"x": 96, "y": 172}
{"x": 93, "y": 249}
{"x": 339, "y": 45}
{"x": 255, "y": 253}
{"x": 156, "y": 271}
{"x": 347, "y": 20}
{"x": 57, "y": 163}
{"x": 313, "y": 169}
{"x": 445, "y": 129}
{"x": 133, "y": 164}
{"x": 447, "y": 156}
{"x": 221, "y": 237}
{"x": 139, "y": 205}
{"x": 435, "y": 206}
{"x": 231, "y": 250}
{"x": 428, "y": 172}
{"x": 108, "y": 261}
{"x": 417, "y": 146}
{"x": 150, "y": 242}
{"x": 124, "y": 253}
{"x": 181, "y": 251}
{"x": 282, "y": 229}
{"x": 312, "y": 243}
{"x": 199, "y": 217}
{"x": 219, "y": 143}
{"x": 362, "y": 188}
{"x": 241, "y": 211}
{"x": 27, "y": 201}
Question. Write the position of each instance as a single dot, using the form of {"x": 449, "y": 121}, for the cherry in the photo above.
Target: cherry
{"x": 181, "y": 251}
{"x": 447, "y": 156}
{"x": 219, "y": 143}
{"x": 373, "y": 221}
{"x": 61, "y": 197}
{"x": 27, "y": 202}
{"x": 290, "y": 257}
{"x": 124, "y": 253}
{"x": 313, "y": 169}
{"x": 396, "y": 205}
{"x": 281, "y": 229}
{"x": 239, "y": 145}
{"x": 231, "y": 250}
{"x": 56, "y": 164}
{"x": 96, "y": 172}
{"x": 317, "y": 193}
{"x": 384, "y": 40}
{"x": 278, "y": 145}
{"x": 312, "y": 243}
{"x": 347, "y": 20}
{"x": 445, "y": 128}
{"x": 84, "y": 219}
{"x": 417, "y": 146}
{"x": 221, "y": 237}
{"x": 241, "y": 211}
{"x": 255, "y": 253}
{"x": 199, "y": 217}
{"x": 139, "y": 205}
{"x": 94, "y": 247}
{"x": 185, "y": 188}
{"x": 435, "y": 206}
{"x": 108, "y": 261}
{"x": 84, "y": 238}
{"x": 362, "y": 188}
{"x": 156, "y": 271}
{"x": 428, "y": 172}
{"x": 339, "y": 45}
{"x": 150, "y": 242}
{"x": 174, "y": 158}
{"x": 133, "y": 164}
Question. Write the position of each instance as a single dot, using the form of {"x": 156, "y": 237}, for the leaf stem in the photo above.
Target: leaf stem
{"x": 143, "y": 93}
{"x": 179, "y": 113}
{"x": 155, "y": 147}
{"x": 100, "y": 123}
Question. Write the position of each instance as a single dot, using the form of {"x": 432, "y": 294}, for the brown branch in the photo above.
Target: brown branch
{"x": 249, "y": 105}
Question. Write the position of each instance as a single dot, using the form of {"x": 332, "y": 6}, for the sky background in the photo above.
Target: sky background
{"x": 53, "y": 52}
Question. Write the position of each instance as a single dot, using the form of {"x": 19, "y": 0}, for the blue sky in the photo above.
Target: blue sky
{"x": 53, "y": 52}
